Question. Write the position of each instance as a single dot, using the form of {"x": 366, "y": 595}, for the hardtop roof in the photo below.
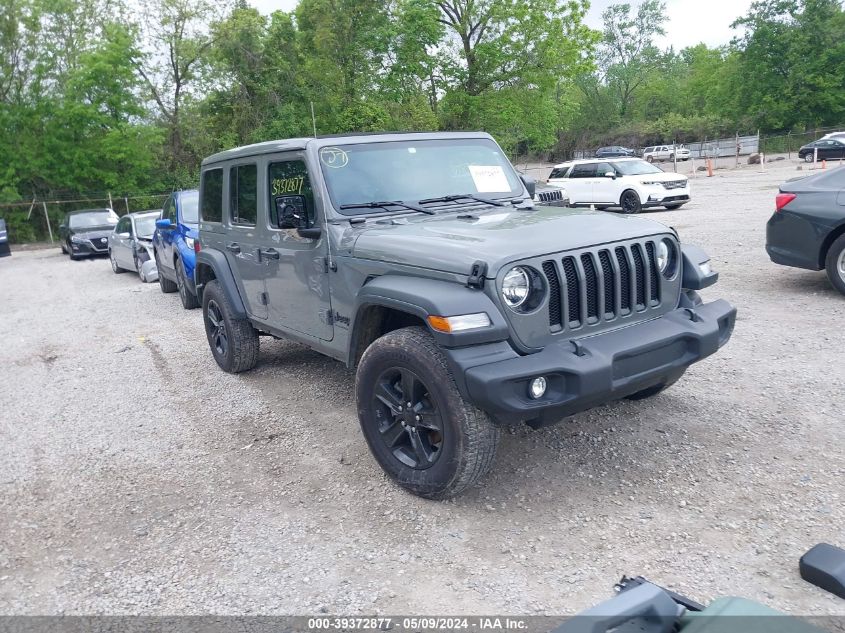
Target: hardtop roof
{"x": 293, "y": 144}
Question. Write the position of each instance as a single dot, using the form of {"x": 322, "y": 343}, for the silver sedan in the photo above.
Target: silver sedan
{"x": 130, "y": 244}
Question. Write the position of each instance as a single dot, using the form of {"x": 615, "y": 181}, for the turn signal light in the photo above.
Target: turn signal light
{"x": 197, "y": 245}
{"x": 459, "y": 323}
{"x": 783, "y": 199}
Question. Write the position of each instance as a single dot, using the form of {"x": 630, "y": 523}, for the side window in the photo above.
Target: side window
{"x": 169, "y": 210}
{"x": 587, "y": 170}
{"x": 122, "y": 226}
{"x": 603, "y": 168}
{"x": 288, "y": 182}
{"x": 211, "y": 195}
{"x": 243, "y": 194}
{"x": 558, "y": 172}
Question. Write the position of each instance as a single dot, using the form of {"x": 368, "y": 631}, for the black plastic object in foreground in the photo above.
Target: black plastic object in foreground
{"x": 824, "y": 566}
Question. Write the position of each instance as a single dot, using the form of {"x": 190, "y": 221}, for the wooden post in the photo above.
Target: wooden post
{"x": 709, "y": 167}
{"x": 47, "y": 217}
{"x": 111, "y": 204}
{"x": 126, "y": 200}
{"x": 31, "y": 207}
{"x": 789, "y": 145}
{"x": 737, "y": 150}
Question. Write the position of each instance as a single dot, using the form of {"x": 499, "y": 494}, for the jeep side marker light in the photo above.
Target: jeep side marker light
{"x": 459, "y": 323}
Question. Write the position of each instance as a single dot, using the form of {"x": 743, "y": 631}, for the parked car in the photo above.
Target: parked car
{"x": 173, "y": 246}
{"x": 5, "y": 251}
{"x": 131, "y": 243}
{"x": 838, "y": 135}
{"x": 614, "y": 151}
{"x": 825, "y": 149}
{"x": 422, "y": 260}
{"x": 660, "y": 153}
{"x": 629, "y": 183}
{"x": 807, "y": 229}
{"x": 86, "y": 232}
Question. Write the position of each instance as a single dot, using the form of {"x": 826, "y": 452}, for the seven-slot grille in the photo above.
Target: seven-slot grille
{"x": 602, "y": 285}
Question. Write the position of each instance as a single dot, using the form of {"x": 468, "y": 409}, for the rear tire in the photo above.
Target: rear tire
{"x": 189, "y": 299}
{"x": 808, "y": 158}
{"x": 655, "y": 389}
{"x": 835, "y": 264}
{"x": 164, "y": 283}
{"x": 117, "y": 270}
{"x": 440, "y": 445}
{"x": 630, "y": 202}
{"x": 233, "y": 342}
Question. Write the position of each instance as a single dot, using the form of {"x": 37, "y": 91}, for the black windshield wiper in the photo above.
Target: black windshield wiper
{"x": 386, "y": 203}
{"x": 464, "y": 196}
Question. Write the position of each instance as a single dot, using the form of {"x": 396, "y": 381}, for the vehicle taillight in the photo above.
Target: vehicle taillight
{"x": 197, "y": 245}
{"x": 783, "y": 199}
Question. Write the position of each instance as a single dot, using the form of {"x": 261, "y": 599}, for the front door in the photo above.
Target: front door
{"x": 165, "y": 252}
{"x": 296, "y": 268}
{"x": 122, "y": 249}
{"x": 604, "y": 187}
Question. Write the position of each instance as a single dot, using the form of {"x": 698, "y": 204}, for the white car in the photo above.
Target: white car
{"x": 629, "y": 183}
{"x": 659, "y": 153}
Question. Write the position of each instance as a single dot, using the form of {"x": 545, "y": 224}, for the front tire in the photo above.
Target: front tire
{"x": 189, "y": 299}
{"x": 630, "y": 202}
{"x": 234, "y": 342}
{"x": 808, "y": 158}
{"x": 440, "y": 445}
{"x": 650, "y": 159}
{"x": 835, "y": 264}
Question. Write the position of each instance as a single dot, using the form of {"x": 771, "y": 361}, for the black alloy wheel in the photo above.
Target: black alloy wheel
{"x": 215, "y": 329}
{"x": 408, "y": 419}
{"x": 631, "y": 202}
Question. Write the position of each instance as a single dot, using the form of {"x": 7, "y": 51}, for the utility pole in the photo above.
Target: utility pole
{"x": 47, "y": 217}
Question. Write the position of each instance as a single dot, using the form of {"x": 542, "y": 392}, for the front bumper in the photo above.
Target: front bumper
{"x": 663, "y": 197}
{"x": 90, "y": 247}
{"x": 594, "y": 370}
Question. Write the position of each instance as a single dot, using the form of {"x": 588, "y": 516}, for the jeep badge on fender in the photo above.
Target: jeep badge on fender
{"x": 425, "y": 261}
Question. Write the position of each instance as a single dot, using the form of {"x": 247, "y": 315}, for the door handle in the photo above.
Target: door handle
{"x": 233, "y": 247}
{"x": 268, "y": 253}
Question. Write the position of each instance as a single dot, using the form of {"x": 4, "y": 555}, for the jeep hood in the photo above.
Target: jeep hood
{"x": 452, "y": 242}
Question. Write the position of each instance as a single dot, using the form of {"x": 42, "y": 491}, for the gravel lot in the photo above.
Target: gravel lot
{"x": 136, "y": 477}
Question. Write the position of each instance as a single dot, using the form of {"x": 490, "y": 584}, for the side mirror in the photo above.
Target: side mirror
{"x": 610, "y": 174}
{"x": 530, "y": 185}
{"x": 124, "y": 235}
{"x": 291, "y": 212}
{"x": 164, "y": 223}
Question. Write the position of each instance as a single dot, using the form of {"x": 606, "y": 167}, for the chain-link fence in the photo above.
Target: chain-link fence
{"x": 38, "y": 219}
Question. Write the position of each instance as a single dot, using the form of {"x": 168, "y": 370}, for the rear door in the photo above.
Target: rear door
{"x": 243, "y": 242}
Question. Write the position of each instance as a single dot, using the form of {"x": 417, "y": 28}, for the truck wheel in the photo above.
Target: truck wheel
{"x": 189, "y": 300}
{"x": 164, "y": 283}
{"x": 655, "y": 389}
{"x": 234, "y": 342}
{"x": 421, "y": 431}
{"x": 650, "y": 159}
{"x": 835, "y": 264}
{"x": 630, "y": 202}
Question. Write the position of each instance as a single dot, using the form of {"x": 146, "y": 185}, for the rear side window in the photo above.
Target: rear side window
{"x": 583, "y": 171}
{"x": 211, "y": 194}
{"x": 243, "y": 194}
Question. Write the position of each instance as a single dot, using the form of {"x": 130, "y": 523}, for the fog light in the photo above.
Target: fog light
{"x": 537, "y": 388}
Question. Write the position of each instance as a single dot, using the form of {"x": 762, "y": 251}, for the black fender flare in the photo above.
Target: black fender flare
{"x": 217, "y": 262}
{"x": 423, "y": 297}
{"x": 694, "y": 278}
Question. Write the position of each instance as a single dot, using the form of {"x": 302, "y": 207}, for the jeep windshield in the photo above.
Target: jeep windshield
{"x": 92, "y": 219}
{"x": 409, "y": 171}
{"x": 636, "y": 168}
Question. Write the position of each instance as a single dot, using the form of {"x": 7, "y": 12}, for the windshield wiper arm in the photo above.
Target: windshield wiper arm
{"x": 386, "y": 203}
{"x": 464, "y": 196}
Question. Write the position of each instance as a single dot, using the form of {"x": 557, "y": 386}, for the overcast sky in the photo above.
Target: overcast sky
{"x": 690, "y": 21}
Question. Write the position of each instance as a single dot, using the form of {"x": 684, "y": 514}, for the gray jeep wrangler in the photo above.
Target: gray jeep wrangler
{"x": 423, "y": 261}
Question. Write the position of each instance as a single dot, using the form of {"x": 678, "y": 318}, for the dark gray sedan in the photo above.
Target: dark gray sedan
{"x": 807, "y": 229}
{"x": 130, "y": 244}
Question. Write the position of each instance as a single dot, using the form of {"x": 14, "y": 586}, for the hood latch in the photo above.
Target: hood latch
{"x": 477, "y": 274}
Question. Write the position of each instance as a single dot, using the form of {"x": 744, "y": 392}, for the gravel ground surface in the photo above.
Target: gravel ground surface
{"x": 136, "y": 477}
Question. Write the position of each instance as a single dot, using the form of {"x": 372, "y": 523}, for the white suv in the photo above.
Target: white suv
{"x": 659, "y": 153}
{"x": 629, "y": 183}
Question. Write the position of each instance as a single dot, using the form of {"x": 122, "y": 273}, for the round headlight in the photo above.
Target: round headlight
{"x": 516, "y": 287}
{"x": 666, "y": 255}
